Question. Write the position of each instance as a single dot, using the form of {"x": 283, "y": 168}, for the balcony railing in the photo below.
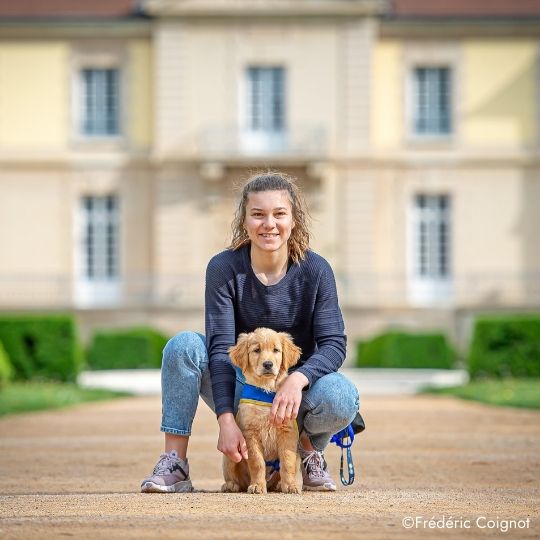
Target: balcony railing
{"x": 232, "y": 142}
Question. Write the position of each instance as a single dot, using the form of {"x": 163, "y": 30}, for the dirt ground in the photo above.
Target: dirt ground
{"x": 76, "y": 472}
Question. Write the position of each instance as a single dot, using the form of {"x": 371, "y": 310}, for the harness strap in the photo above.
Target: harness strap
{"x": 274, "y": 464}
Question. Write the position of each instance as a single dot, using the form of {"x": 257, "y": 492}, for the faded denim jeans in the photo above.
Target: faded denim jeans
{"x": 327, "y": 407}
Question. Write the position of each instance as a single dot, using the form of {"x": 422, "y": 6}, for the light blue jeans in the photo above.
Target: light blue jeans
{"x": 327, "y": 407}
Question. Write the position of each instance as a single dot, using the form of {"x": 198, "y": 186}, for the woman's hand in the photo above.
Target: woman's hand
{"x": 231, "y": 441}
{"x": 287, "y": 399}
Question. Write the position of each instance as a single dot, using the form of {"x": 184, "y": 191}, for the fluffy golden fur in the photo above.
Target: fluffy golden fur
{"x": 264, "y": 356}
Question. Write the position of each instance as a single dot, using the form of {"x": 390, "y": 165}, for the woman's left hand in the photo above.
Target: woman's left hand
{"x": 287, "y": 399}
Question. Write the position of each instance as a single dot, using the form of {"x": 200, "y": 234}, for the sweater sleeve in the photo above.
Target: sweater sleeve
{"x": 220, "y": 334}
{"x": 328, "y": 330}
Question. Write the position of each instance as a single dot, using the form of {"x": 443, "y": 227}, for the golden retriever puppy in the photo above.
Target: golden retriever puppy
{"x": 264, "y": 356}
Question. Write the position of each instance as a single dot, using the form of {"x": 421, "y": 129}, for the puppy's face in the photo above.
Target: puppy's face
{"x": 264, "y": 356}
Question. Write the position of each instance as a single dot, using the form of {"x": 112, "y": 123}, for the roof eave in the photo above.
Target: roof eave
{"x": 273, "y": 8}
{"x": 436, "y": 27}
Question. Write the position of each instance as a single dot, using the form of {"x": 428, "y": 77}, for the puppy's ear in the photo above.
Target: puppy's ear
{"x": 239, "y": 352}
{"x": 291, "y": 353}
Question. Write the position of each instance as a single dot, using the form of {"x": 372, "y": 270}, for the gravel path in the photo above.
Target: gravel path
{"x": 76, "y": 472}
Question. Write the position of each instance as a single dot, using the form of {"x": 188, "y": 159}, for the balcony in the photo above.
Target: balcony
{"x": 226, "y": 143}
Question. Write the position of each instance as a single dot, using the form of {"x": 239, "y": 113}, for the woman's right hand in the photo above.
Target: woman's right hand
{"x": 231, "y": 441}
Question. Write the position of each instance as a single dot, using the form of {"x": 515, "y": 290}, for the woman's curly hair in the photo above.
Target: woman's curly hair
{"x": 275, "y": 181}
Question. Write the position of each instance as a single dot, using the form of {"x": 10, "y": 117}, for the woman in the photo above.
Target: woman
{"x": 267, "y": 277}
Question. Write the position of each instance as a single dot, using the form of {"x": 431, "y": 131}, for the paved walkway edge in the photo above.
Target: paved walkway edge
{"x": 369, "y": 381}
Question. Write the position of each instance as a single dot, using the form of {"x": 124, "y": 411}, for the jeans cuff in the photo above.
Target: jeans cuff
{"x": 175, "y": 431}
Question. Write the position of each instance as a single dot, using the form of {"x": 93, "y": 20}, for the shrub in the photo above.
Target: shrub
{"x": 126, "y": 349}
{"x": 404, "y": 350}
{"x": 506, "y": 346}
{"x": 6, "y": 369}
{"x": 41, "y": 346}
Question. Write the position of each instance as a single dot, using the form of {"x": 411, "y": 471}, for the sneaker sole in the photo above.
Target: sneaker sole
{"x": 180, "y": 487}
{"x": 325, "y": 487}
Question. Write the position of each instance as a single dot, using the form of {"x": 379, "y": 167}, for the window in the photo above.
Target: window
{"x": 100, "y": 102}
{"x": 266, "y": 99}
{"x": 100, "y": 238}
{"x": 430, "y": 267}
{"x": 432, "y": 236}
{"x": 432, "y": 101}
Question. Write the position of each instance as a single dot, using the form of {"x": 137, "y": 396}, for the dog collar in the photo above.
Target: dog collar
{"x": 256, "y": 396}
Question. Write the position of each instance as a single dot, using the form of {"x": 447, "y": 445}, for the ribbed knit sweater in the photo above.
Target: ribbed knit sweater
{"x": 303, "y": 303}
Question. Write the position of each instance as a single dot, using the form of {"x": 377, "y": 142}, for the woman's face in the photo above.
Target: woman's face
{"x": 269, "y": 221}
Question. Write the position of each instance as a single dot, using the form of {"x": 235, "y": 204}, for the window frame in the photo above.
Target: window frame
{"x": 98, "y": 288}
{"x": 263, "y": 141}
{"x": 431, "y": 55}
{"x": 430, "y": 288}
{"x": 415, "y": 102}
{"x": 267, "y": 115}
{"x": 83, "y": 93}
{"x": 108, "y": 55}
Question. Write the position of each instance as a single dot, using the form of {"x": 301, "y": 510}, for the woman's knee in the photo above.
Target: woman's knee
{"x": 340, "y": 397}
{"x": 184, "y": 348}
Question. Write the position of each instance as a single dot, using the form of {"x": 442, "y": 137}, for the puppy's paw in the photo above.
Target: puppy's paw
{"x": 230, "y": 487}
{"x": 256, "y": 488}
{"x": 289, "y": 488}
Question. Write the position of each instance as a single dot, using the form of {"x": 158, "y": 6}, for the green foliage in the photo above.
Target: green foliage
{"x": 35, "y": 396}
{"x": 41, "y": 346}
{"x": 506, "y": 346}
{"x": 6, "y": 369}
{"x": 404, "y": 350}
{"x": 126, "y": 349}
{"x": 507, "y": 392}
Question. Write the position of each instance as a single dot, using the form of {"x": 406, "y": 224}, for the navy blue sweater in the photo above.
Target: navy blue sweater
{"x": 303, "y": 303}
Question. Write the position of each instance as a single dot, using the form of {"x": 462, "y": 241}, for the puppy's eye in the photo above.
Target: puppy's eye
{"x": 257, "y": 350}
{"x": 276, "y": 350}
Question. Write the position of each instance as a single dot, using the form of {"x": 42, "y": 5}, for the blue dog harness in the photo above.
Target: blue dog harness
{"x": 257, "y": 396}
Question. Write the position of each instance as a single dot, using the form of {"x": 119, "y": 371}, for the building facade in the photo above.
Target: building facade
{"x": 413, "y": 130}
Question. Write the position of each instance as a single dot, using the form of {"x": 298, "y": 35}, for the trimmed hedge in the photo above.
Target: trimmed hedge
{"x": 41, "y": 346}
{"x": 135, "y": 348}
{"x": 405, "y": 350}
{"x": 6, "y": 369}
{"x": 506, "y": 346}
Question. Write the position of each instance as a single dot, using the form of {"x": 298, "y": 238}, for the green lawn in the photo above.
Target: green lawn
{"x": 35, "y": 396}
{"x": 523, "y": 393}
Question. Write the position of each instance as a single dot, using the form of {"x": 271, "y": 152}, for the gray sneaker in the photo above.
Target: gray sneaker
{"x": 170, "y": 475}
{"x": 314, "y": 472}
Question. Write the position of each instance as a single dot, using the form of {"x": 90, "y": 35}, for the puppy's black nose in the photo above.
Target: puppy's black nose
{"x": 268, "y": 365}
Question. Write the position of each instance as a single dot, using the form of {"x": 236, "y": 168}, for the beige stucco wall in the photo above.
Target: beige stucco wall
{"x": 493, "y": 95}
{"x": 34, "y": 96}
{"x": 41, "y": 241}
{"x": 499, "y": 79}
{"x": 35, "y": 218}
{"x": 141, "y": 87}
{"x": 189, "y": 82}
{"x": 387, "y": 112}
{"x": 495, "y": 257}
{"x": 201, "y": 76}
{"x": 46, "y": 167}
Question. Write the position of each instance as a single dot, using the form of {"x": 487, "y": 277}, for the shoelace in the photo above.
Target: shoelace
{"x": 314, "y": 463}
{"x": 164, "y": 464}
